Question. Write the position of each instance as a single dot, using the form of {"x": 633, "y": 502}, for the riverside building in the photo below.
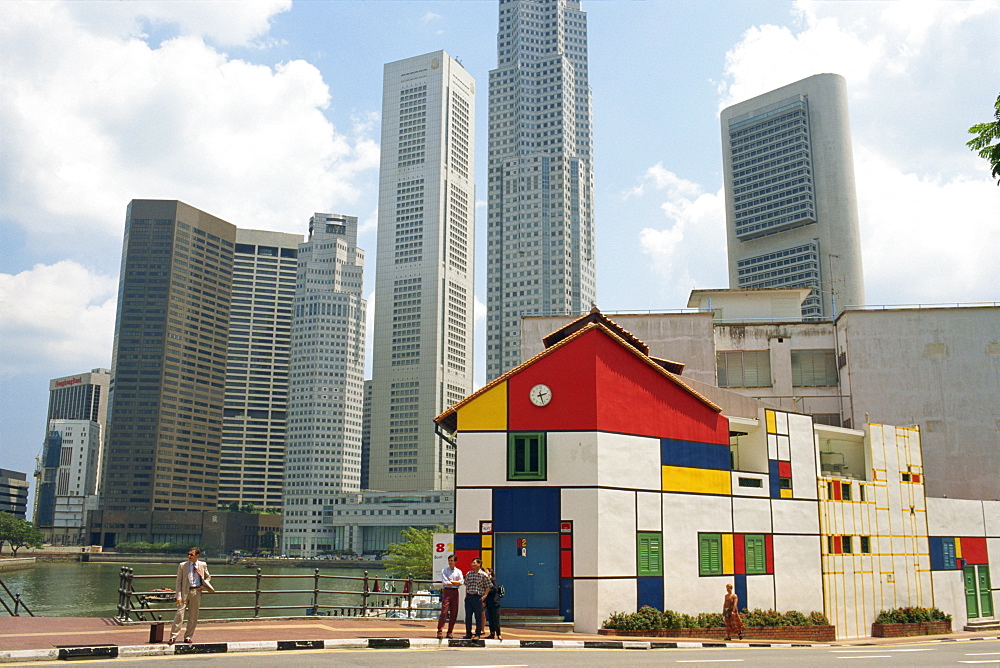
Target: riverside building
{"x": 255, "y": 414}
{"x": 326, "y": 381}
{"x": 540, "y": 216}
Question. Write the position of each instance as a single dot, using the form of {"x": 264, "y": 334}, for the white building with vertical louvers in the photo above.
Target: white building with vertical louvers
{"x": 251, "y": 470}
{"x": 424, "y": 292}
{"x": 326, "y": 381}
{"x": 791, "y": 204}
{"x": 540, "y": 232}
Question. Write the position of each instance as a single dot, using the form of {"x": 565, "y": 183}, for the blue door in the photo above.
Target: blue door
{"x": 527, "y": 565}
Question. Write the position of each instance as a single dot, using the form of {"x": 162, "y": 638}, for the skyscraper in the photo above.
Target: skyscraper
{"x": 326, "y": 381}
{"x": 67, "y": 470}
{"x": 253, "y": 429}
{"x": 424, "y": 295}
{"x": 540, "y": 229}
{"x": 169, "y": 364}
{"x": 791, "y": 205}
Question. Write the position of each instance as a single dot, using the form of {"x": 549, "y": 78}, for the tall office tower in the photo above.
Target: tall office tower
{"x": 366, "y": 436}
{"x": 168, "y": 369}
{"x": 540, "y": 232}
{"x": 326, "y": 386}
{"x": 791, "y": 206}
{"x": 424, "y": 294}
{"x": 251, "y": 469}
{"x": 67, "y": 469}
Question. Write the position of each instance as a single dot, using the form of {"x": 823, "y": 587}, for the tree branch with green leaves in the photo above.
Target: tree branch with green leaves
{"x": 987, "y": 141}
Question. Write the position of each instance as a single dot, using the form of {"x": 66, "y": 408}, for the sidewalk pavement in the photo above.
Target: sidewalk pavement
{"x": 45, "y": 638}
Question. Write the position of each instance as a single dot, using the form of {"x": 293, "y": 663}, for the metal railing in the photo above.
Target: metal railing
{"x": 377, "y": 597}
{"x": 15, "y": 601}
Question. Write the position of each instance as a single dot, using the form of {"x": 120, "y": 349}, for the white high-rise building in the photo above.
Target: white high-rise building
{"x": 326, "y": 381}
{"x": 791, "y": 204}
{"x": 540, "y": 233}
{"x": 424, "y": 293}
{"x": 251, "y": 468}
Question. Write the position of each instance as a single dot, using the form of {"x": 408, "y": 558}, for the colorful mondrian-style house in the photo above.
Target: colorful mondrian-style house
{"x": 594, "y": 479}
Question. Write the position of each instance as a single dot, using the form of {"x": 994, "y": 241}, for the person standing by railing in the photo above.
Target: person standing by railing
{"x": 451, "y": 580}
{"x": 192, "y": 578}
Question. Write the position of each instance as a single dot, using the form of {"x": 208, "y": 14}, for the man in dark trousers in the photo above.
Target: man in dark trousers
{"x": 477, "y": 586}
{"x": 451, "y": 580}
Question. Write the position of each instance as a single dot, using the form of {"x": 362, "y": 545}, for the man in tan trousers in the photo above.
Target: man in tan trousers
{"x": 192, "y": 579}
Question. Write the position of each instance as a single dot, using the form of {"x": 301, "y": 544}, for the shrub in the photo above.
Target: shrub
{"x": 909, "y": 615}
{"x": 651, "y": 619}
{"x": 817, "y": 618}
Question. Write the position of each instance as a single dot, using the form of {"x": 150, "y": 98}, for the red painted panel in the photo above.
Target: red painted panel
{"x": 463, "y": 559}
{"x": 739, "y": 555}
{"x": 566, "y": 564}
{"x": 566, "y": 541}
{"x": 838, "y": 494}
{"x": 769, "y": 552}
{"x": 569, "y": 373}
{"x": 784, "y": 469}
{"x": 634, "y": 398}
{"x": 598, "y": 383}
{"x": 838, "y": 547}
{"x": 916, "y": 477}
{"x": 974, "y": 550}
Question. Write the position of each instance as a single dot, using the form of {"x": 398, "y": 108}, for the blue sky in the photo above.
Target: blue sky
{"x": 262, "y": 113}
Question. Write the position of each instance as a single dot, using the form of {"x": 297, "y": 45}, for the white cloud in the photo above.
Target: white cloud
{"x": 59, "y": 316}
{"x": 690, "y": 251}
{"x": 92, "y": 120}
{"x": 926, "y": 238}
{"x": 225, "y": 23}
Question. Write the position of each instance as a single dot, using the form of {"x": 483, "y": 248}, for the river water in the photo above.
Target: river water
{"x": 60, "y": 589}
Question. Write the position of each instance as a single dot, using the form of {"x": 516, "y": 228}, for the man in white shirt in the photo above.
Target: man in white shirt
{"x": 451, "y": 580}
{"x": 192, "y": 578}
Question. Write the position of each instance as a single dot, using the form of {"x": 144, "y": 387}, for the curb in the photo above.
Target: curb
{"x": 133, "y": 651}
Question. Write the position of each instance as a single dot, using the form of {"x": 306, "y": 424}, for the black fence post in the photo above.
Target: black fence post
{"x": 409, "y": 594}
{"x": 364, "y": 597}
{"x": 256, "y": 600}
{"x": 315, "y": 603}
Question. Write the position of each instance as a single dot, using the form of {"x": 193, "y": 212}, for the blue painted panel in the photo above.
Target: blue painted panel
{"x": 937, "y": 553}
{"x": 740, "y": 589}
{"x": 693, "y": 454}
{"x": 566, "y": 598}
{"x": 525, "y": 509}
{"x": 650, "y": 592}
{"x": 772, "y": 469}
{"x": 531, "y": 580}
{"x": 467, "y": 541}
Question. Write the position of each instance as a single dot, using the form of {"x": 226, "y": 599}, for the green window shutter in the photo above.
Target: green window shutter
{"x": 526, "y": 456}
{"x": 649, "y": 554}
{"x": 709, "y": 554}
{"x": 756, "y": 561}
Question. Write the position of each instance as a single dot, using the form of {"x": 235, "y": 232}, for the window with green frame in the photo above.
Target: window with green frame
{"x": 649, "y": 554}
{"x": 526, "y": 456}
{"x": 756, "y": 559}
{"x": 709, "y": 554}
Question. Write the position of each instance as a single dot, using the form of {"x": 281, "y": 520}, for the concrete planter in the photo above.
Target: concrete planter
{"x": 910, "y": 629}
{"x": 801, "y": 633}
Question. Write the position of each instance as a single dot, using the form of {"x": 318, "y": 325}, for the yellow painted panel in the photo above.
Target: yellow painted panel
{"x": 487, "y": 558}
{"x": 487, "y": 540}
{"x": 487, "y": 412}
{"x": 958, "y": 547}
{"x": 786, "y": 493}
{"x": 697, "y": 481}
{"x": 727, "y": 553}
{"x": 772, "y": 427}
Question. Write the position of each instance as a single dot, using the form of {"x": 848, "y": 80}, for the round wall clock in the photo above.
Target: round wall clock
{"x": 540, "y": 395}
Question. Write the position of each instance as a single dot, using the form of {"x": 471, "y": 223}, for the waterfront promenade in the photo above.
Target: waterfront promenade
{"x": 39, "y": 638}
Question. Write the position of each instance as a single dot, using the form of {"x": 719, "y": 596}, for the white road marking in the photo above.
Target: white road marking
{"x": 984, "y": 661}
{"x": 867, "y": 656}
{"x": 709, "y": 660}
